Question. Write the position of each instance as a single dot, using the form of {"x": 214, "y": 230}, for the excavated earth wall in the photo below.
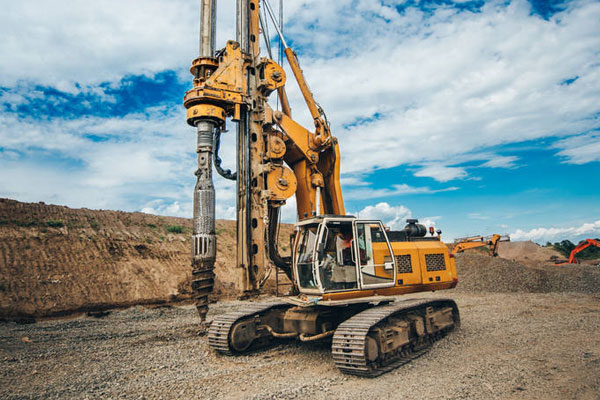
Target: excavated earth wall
{"x": 55, "y": 260}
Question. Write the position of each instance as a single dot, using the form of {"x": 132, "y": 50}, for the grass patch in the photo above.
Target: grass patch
{"x": 55, "y": 223}
{"x": 25, "y": 223}
{"x": 151, "y": 226}
{"x": 174, "y": 228}
{"x": 18, "y": 223}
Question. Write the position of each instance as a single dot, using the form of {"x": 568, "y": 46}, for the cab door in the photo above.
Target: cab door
{"x": 376, "y": 267}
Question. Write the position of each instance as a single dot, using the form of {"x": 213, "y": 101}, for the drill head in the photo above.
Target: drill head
{"x": 204, "y": 240}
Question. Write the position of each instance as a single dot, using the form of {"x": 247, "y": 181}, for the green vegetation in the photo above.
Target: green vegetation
{"x": 566, "y": 246}
{"x": 95, "y": 225}
{"x": 174, "y": 228}
{"x": 55, "y": 223}
{"x": 151, "y": 226}
{"x": 18, "y": 223}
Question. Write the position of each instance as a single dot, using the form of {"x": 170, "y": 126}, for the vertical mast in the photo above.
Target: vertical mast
{"x": 242, "y": 184}
{"x": 252, "y": 209}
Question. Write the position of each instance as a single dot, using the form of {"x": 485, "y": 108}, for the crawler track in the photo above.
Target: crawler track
{"x": 349, "y": 342}
{"x": 220, "y": 328}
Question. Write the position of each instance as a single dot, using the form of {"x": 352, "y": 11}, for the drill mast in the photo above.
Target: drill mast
{"x": 276, "y": 157}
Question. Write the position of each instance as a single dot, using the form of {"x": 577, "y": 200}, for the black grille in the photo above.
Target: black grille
{"x": 435, "y": 262}
{"x": 404, "y": 264}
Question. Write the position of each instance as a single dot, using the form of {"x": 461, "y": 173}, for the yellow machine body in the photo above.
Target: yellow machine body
{"x": 337, "y": 259}
{"x": 344, "y": 270}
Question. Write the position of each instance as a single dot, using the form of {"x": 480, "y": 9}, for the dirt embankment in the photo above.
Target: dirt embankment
{"x": 527, "y": 252}
{"x": 56, "y": 260}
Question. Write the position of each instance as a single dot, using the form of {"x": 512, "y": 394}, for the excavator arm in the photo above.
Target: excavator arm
{"x": 474, "y": 242}
{"x": 313, "y": 156}
{"x": 580, "y": 247}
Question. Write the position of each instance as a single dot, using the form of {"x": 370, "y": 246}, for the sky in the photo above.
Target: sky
{"x": 476, "y": 117}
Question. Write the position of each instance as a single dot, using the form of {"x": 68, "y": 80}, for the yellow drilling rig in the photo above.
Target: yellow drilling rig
{"x": 345, "y": 271}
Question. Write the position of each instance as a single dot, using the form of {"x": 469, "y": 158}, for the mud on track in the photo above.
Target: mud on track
{"x": 510, "y": 345}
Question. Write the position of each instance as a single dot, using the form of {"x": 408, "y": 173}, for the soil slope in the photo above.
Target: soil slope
{"x": 527, "y": 252}
{"x": 56, "y": 260}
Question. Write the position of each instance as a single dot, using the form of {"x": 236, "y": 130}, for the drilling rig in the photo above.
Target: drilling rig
{"x": 345, "y": 271}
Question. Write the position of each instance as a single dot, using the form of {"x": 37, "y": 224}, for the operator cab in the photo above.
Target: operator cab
{"x": 341, "y": 253}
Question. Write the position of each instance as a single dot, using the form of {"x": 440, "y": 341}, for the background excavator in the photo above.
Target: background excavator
{"x": 345, "y": 271}
{"x": 474, "y": 242}
{"x": 584, "y": 244}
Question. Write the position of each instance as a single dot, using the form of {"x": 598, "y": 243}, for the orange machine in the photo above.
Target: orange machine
{"x": 581, "y": 246}
{"x": 474, "y": 242}
{"x": 344, "y": 270}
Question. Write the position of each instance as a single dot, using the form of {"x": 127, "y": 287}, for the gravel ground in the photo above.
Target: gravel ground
{"x": 510, "y": 345}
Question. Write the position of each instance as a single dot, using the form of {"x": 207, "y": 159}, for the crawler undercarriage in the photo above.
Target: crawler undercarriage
{"x": 366, "y": 339}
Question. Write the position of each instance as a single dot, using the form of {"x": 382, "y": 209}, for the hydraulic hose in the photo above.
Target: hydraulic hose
{"x": 225, "y": 173}
{"x": 284, "y": 263}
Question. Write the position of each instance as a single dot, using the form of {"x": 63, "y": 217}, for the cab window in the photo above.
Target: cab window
{"x": 306, "y": 248}
{"x": 337, "y": 270}
{"x": 374, "y": 256}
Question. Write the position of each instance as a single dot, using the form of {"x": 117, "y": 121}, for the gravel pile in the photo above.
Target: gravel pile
{"x": 481, "y": 273}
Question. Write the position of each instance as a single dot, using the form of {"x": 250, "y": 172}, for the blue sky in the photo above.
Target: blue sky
{"x": 476, "y": 117}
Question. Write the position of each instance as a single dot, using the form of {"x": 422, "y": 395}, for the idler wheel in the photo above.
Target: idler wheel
{"x": 242, "y": 335}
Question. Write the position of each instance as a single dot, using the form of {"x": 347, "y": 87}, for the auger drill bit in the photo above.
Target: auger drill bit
{"x": 204, "y": 238}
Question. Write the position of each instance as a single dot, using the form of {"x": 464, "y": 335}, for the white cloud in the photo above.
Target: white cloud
{"x": 60, "y": 43}
{"x": 501, "y": 162}
{"x": 146, "y": 162}
{"x": 580, "y": 149}
{"x": 442, "y": 173}
{"x": 553, "y": 233}
{"x": 429, "y": 221}
{"x": 353, "y": 181}
{"x": 392, "y": 216}
{"x": 446, "y": 85}
{"x": 160, "y": 207}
